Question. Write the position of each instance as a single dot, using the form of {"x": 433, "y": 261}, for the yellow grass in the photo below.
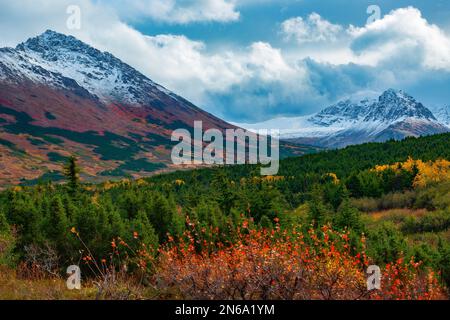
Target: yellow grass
{"x": 14, "y": 288}
{"x": 395, "y": 214}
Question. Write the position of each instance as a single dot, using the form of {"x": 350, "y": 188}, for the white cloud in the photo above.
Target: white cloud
{"x": 184, "y": 66}
{"x": 268, "y": 63}
{"x": 174, "y": 61}
{"x": 178, "y": 11}
{"x": 312, "y": 29}
{"x": 258, "y": 81}
{"x": 402, "y": 34}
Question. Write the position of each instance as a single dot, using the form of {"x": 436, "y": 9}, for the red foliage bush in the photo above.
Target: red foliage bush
{"x": 403, "y": 280}
{"x": 280, "y": 264}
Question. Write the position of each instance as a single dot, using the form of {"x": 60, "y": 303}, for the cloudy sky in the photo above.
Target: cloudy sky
{"x": 253, "y": 60}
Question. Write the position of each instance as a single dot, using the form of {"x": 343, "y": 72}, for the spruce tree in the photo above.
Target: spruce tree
{"x": 72, "y": 173}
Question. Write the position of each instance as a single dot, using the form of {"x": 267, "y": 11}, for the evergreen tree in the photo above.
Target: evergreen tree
{"x": 318, "y": 213}
{"x": 225, "y": 191}
{"x": 444, "y": 261}
{"x": 335, "y": 194}
{"x": 265, "y": 222}
{"x": 56, "y": 226}
{"x": 160, "y": 215}
{"x": 72, "y": 173}
{"x": 386, "y": 243}
{"x": 142, "y": 229}
{"x": 348, "y": 217}
{"x": 4, "y": 226}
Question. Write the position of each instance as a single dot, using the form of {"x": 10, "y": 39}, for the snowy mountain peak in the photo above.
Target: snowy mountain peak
{"x": 443, "y": 115}
{"x": 392, "y": 115}
{"x": 396, "y": 105}
{"x": 53, "y": 58}
{"x": 391, "y": 106}
{"x": 52, "y": 40}
{"x": 393, "y": 94}
{"x": 343, "y": 111}
{"x": 51, "y": 45}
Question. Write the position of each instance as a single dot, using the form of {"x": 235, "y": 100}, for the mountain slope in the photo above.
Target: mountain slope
{"x": 394, "y": 115}
{"x": 59, "y": 96}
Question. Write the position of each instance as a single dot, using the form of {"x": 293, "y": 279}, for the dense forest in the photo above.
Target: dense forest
{"x": 394, "y": 195}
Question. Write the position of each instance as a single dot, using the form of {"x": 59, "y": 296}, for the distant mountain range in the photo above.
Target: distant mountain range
{"x": 394, "y": 115}
{"x": 59, "y": 96}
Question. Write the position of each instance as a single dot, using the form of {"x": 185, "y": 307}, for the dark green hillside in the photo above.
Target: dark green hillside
{"x": 342, "y": 161}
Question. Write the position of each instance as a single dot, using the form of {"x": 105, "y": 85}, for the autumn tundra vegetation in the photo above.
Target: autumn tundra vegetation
{"x": 229, "y": 233}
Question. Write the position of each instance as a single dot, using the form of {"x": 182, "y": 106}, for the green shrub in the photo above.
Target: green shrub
{"x": 7, "y": 243}
{"x": 397, "y": 200}
{"x": 365, "y": 204}
{"x": 431, "y": 222}
{"x": 386, "y": 243}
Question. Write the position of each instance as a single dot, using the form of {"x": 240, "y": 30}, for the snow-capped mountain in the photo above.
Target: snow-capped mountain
{"x": 342, "y": 112}
{"x": 391, "y": 106}
{"x": 62, "y": 63}
{"x": 443, "y": 115}
{"x": 60, "y": 96}
{"x": 53, "y": 58}
{"x": 394, "y": 115}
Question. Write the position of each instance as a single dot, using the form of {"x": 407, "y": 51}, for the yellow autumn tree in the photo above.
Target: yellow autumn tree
{"x": 427, "y": 172}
